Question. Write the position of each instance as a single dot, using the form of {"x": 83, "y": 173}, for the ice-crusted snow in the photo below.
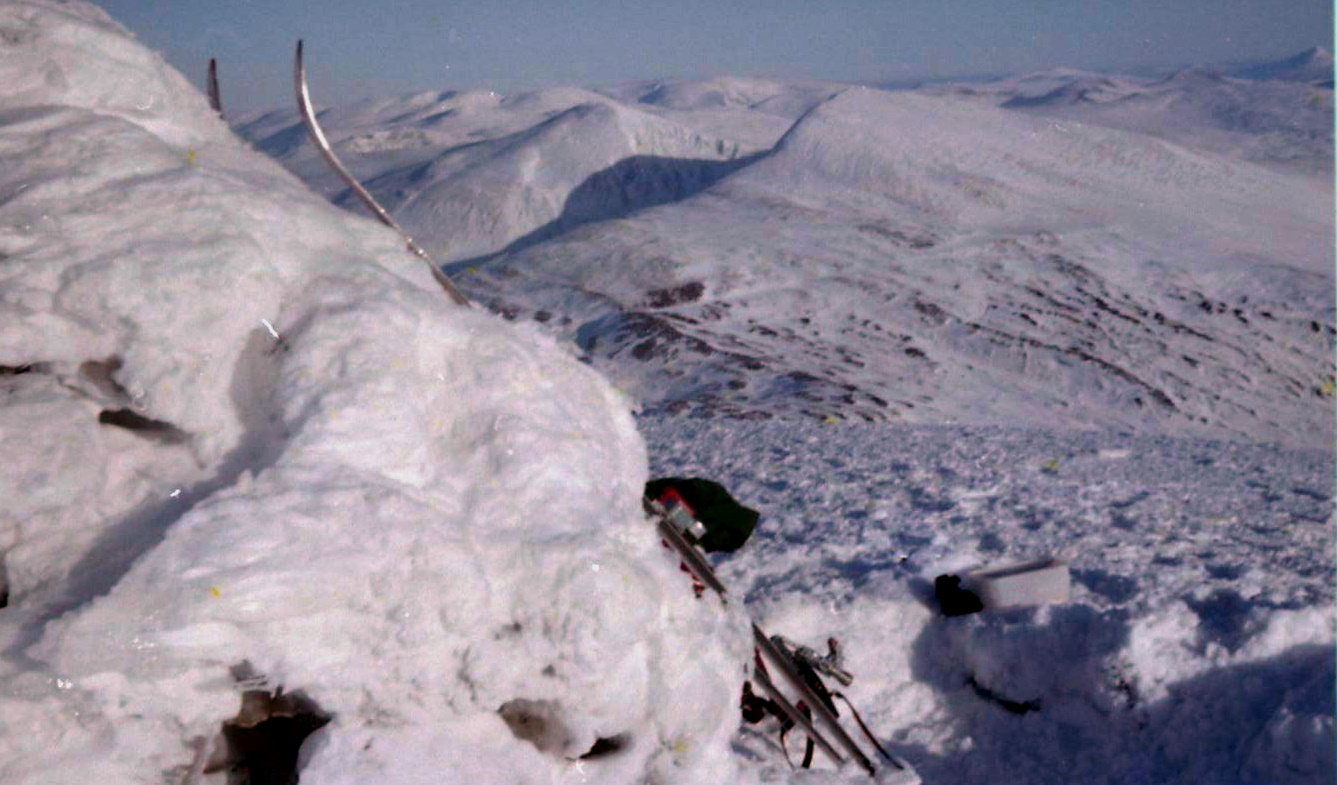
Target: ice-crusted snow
{"x": 242, "y": 425}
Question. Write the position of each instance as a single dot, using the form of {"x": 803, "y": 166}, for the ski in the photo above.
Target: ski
{"x": 785, "y": 664}
{"x": 767, "y": 650}
{"x": 322, "y": 143}
{"x": 763, "y": 679}
{"x": 215, "y": 100}
{"x": 690, "y": 555}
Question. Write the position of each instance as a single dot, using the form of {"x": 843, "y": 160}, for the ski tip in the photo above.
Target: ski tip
{"x": 215, "y": 99}
{"x": 299, "y": 81}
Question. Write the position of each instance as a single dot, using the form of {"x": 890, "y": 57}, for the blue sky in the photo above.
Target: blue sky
{"x": 364, "y": 47}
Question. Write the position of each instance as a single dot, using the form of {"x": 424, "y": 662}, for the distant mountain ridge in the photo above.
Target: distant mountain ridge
{"x": 880, "y": 264}
{"x": 1278, "y": 114}
{"x": 1312, "y": 65}
{"x": 1061, "y": 249}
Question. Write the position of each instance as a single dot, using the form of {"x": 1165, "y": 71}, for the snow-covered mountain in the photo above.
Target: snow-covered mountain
{"x": 503, "y": 171}
{"x": 1313, "y": 66}
{"x": 1284, "y": 121}
{"x": 951, "y": 254}
{"x": 261, "y": 480}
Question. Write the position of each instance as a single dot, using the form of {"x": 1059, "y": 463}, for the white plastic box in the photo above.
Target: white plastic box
{"x": 1028, "y": 583}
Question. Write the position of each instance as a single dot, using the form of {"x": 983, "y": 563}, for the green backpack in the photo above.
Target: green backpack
{"x": 728, "y": 524}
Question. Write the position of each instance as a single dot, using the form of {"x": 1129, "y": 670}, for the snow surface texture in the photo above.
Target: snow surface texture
{"x": 1118, "y": 258}
{"x": 242, "y": 425}
{"x": 1198, "y": 643}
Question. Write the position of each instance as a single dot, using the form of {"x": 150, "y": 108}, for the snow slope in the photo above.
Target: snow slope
{"x": 895, "y": 256}
{"x": 1279, "y": 115}
{"x": 491, "y": 172}
{"x": 253, "y": 432}
{"x": 890, "y": 255}
{"x": 1312, "y": 65}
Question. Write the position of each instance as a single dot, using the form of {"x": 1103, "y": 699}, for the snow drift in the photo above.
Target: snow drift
{"x": 257, "y": 434}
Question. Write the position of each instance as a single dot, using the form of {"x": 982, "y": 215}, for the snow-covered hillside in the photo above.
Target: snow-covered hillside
{"x": 1312, "y": 65}
{"x": 259, "y": 472}
{"x": 250, "y": 446}
{"x": 505, "y": 171}
{"x": 896, "y": 256}
{"x": 1281, "y": 117}
{"x": 891, "y": 256}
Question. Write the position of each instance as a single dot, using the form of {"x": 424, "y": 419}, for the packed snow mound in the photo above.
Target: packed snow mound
{"x": 259, "y": 434}
{"x": 72, "y": 55}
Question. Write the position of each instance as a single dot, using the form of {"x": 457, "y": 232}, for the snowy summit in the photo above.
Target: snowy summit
{"x": 260, "y": 473}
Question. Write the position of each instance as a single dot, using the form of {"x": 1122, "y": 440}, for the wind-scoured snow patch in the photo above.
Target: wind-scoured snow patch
{"x": 258, "y": 434}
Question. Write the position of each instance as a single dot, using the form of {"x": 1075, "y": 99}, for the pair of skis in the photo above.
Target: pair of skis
{"x": 317, "y": 135}
{"x": 839, "y": 746}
